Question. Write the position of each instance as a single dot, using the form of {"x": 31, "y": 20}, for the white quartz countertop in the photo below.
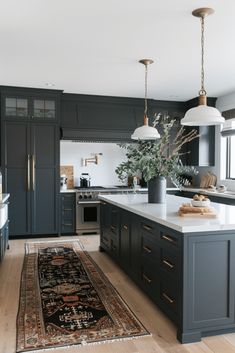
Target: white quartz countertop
{"x": 4, "y": 198}
{"x": 166, "y": 214}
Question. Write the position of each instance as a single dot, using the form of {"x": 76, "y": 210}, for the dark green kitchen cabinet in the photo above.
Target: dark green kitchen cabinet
{"x": 4, "y": 234}
{"x": 68, "y": 213}
{"x": 31, "y": 175}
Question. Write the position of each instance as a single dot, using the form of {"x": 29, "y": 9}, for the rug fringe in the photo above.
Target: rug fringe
{"x": 85, "y": 343}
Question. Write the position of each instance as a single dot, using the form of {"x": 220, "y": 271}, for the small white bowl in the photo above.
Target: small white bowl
{"x": 198, "y": 203}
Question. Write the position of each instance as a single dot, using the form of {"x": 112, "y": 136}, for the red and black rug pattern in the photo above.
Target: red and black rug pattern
{"x": 65, "y": 299}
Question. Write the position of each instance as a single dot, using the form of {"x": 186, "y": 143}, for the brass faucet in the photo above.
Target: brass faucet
{"x": 94, "y": 159}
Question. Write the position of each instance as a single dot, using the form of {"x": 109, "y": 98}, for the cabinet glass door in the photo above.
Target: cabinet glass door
{"x": 16, "y": 107}
{"x": 44, "y": 109}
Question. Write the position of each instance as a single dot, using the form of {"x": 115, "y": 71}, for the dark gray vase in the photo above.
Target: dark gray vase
{"x": 157, "y": 190}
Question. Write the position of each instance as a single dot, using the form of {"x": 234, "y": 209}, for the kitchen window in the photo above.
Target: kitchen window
{"x": 230, "y": 157}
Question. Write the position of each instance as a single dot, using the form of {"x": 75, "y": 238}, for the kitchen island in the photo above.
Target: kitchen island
{"x": 186, "y": 265}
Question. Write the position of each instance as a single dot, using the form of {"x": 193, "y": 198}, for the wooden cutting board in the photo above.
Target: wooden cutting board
{"x": 198, "y": 215}
{"x": 68, "y": 171}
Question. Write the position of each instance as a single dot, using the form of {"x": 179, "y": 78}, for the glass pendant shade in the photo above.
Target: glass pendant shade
{"x": 202, "y": 115}
{"x": 145, "y": 132}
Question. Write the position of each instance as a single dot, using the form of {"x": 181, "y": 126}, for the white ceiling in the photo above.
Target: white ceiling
{"x": 93, "y": 47}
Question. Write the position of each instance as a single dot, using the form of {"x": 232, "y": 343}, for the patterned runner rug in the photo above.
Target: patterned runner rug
{"x": 65, "y": 299}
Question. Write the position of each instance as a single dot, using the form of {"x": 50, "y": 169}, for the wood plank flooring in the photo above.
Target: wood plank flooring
{"x": 163, "y": 339}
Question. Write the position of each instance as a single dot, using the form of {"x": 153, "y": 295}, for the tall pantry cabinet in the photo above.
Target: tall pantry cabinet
{"x": 30, "y": 159}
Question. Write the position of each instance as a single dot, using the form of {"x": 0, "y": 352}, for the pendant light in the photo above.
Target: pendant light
{"x": 145, "y": 132}
{"x": 202, "y": 115}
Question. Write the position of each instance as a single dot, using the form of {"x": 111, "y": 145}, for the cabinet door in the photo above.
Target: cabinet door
{"x": 44, "y": 109}
{"x": 68, "y": 216}
{"x": 15, "y": 106}
{"x": 44, "y": 178}
{"x": 201, "y": 151}
{"x": 125, "y": 231}
{"x": 16, "y": 176}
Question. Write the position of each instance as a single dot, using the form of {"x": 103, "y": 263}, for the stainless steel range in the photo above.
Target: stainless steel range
{"x": 87, "y": 211}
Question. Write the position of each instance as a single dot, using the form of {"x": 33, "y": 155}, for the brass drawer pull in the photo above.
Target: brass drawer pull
{"x": 147, "y": 227}
{"x": 68, "y": 209}
{"x": 170, "y": 300}
{"x": 67, "y": 224}
{"x": 113, "y": 228}
{"x": 148, "y": 250}
{"x": 125, "y": 227}
{"x": 146, "y": 278}
{"x": 168, "y": 238}
{"x": 169, "y": 264}
{"x": 103, "y": 203}
{"x": 114, "y": 211}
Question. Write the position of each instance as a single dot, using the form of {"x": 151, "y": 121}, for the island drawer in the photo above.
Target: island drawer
{"x": 169, "y": 261}
{"x": 149, "y": 248}
{"x": 169, "y": 239}
{"x": 169, "y": 294}
{"x": 149, "y": 280}
{"x": 149, "y": 227}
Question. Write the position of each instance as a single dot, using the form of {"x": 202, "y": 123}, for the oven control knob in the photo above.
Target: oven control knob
{"x": 80, "y": 197}
{"x": 90, "y": 196}
{"x": 85, "y": 196}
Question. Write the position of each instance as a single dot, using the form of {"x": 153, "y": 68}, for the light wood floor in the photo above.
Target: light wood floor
{"x": 163, "y": 339}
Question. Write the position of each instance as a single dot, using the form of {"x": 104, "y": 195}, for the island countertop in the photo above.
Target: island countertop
{"x": 167, "y": 214}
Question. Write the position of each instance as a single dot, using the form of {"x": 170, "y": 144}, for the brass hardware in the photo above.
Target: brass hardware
{"x": 67, "y": 224}
{"x": 146, "y": 61}
{"x": 113, "y": 228}
{"x": 170, "y": 265}
{"x": 28, "y": 172}
{"x": 67, "y": 209}
{"x": 146, "y": 278}
{"x": 170, "y": 300}
{"x": 147, "y": 227}
{"x": 103, "y": 203}
{"x": 33, "y": 172}
{"x": 125, "y": 227}
{"x": 168, "y": 238}
{"x": 148, "y": 250}
{"x": 114, "y": 211}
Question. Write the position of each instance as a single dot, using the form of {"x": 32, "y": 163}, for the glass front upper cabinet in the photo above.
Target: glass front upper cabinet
{"x": 16, "y": 107}
{"x": 30, "y": 108}
{"x": 44, "y": 109}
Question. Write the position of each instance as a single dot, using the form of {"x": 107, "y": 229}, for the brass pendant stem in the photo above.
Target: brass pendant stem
{"x": 146, "y": 120}
{"x": 202, "y": 100}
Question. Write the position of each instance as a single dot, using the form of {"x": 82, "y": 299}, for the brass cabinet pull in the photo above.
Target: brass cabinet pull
{"x": 67, "y": 224}
{"x": 68, "y": 209}
{"x": 28, "y": 172}
{"x": 113, "y": 228}
{"x": 170, "y": 300}
{"x": 146, "y": 278}
{"x": 147, "y": 227}
{"x": 169, "y": 264}
{"x": 103, "y": 203}
{"x": 168, "y": 238}
{"x": 125, "y": 227}
{"x": 148, "y": 250}
{"x": 33, "y": 172}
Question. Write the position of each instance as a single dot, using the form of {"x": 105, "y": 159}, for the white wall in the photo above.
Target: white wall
{"x": 103, "y": 174}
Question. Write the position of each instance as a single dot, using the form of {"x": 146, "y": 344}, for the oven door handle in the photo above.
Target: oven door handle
{"x": 87, "y": 202}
